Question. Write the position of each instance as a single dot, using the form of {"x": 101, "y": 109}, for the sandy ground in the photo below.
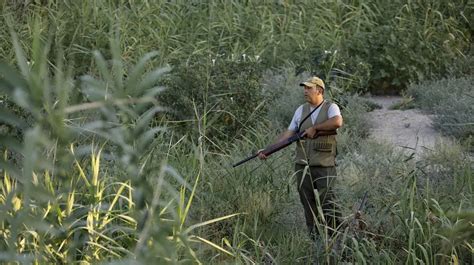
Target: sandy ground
{"x": 410, "y": 130}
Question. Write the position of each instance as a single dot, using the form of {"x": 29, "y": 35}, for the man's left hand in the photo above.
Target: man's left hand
{"x": 310, "y": 132}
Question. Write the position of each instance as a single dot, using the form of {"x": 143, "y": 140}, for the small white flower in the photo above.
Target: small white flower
{"x": 213, "y": 61}
{"x": 244, "y": 55}
{"x": 257, "y": 57}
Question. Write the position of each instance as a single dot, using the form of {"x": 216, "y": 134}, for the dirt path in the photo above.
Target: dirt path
{"x": 407, "y": 129}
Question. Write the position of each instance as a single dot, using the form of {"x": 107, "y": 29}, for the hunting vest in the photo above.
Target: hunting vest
{"x": 320, "y": 151}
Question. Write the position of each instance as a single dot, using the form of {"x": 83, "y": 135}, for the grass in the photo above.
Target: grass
{"x": 91, "y": 172}
{"x": 405, "y": 203}
{"x": 451, "y": 101}
{"x": 401, "y": 217}
{"x": 120, "y": 204}
{"x": 272, "y": 33}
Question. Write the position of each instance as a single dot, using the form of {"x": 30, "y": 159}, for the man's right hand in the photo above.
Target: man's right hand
{"x": 261, "y": 155}
{"x": 310, "y": 132}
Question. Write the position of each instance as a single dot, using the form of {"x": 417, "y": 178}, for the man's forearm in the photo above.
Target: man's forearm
{"x": 331, "y": 124}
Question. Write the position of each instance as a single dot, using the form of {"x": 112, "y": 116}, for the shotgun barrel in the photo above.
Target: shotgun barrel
{"x": 280, "y": 145}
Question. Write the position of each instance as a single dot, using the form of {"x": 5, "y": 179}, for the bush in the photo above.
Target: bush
{"x": 422, "y": 42}
{"x": 351, "y": 43}
{"x": 447, "y": 168}
{"x": 408, "y": 200}
{"x": 282, "y": 89}
{"x": 225, "y": 97}
{"x": 353, "y": 109}
{"x": 452, "y": 103}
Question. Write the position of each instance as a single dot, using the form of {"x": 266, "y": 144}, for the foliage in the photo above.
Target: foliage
{"x": 95, "y": 170}
{"x": 451, "y": 101}
{"x": 353, "y": 110}
{"x": 226, "y": 94}
{"x": 284, "y": 95}
{"x": 350, "y": 43}
{"x": 420, "y": 41}
{"x": 61, "y": 205}
{"x": 409, "y": 207}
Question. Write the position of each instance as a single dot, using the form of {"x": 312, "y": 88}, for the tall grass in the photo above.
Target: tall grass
{"x": 88, "y": 181}
{"x": 409, "y": 207}
{"x": 334, "y": 39}
{"x": 92, "y": 172}
{"x": 93, "y": 208}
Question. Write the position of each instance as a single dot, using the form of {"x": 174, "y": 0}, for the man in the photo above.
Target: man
{"x": 315, "y": 156}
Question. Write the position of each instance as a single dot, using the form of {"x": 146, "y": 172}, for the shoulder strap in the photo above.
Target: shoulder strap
{"x": 324, "y": 112}
{"x": 309, "y": 115}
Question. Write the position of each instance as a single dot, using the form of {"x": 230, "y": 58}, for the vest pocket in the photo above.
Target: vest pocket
{"x": 322, "y": 147}
{"x": 319, "y": 152}
{"x": 323, "y": 153}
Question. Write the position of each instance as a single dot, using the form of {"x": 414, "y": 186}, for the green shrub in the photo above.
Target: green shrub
{"x": 284, "y": 95}
{"x": 421, "y": 206}
{"x": 451, "y": 101}
{"x": 225, "y": 95}
{"x": 447, "y": 168}
{"x": 67, "y": 200}
{"x": 56, "y": 214}
{"x": 349, "y": 43}
{"x": 421, "y": 42}
{"x": 353, "y": 110}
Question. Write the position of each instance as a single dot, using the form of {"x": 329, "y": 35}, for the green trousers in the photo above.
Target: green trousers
{"x": 316, "y": 188}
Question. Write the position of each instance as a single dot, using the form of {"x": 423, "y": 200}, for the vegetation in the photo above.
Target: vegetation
{"x": 451, "y": 101}
{"x": 115, "y": 153}
{"x": 350, "y": 41}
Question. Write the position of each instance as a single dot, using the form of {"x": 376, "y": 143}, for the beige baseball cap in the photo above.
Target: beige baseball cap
{"x": 313, "y": 82}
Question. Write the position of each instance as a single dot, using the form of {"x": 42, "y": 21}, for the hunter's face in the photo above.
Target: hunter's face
{"x": 311, "y": 94}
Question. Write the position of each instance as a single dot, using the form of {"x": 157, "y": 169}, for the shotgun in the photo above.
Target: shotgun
{"x": 278, "y": 146}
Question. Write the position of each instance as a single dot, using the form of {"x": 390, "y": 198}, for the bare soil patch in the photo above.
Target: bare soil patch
{"x": 406, "y": 129}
